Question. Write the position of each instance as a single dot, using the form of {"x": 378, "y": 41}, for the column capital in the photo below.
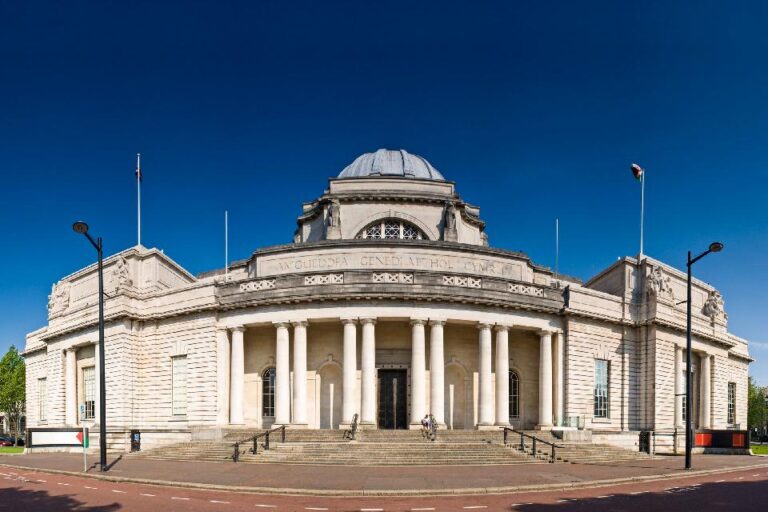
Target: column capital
{"x": 437, "y": 321}
{"x": 418, "y": 321}
{"x": 502, "y": 327}
{"x": 239, "y": 328}
{"x": 299, "y": 323}
{"x": 367, "y": 320}
{"x": 483, "y": 325}
{"x": 349, "y": 321}
{"x": 282, "y": 323}
{"x": 546, "y": 332}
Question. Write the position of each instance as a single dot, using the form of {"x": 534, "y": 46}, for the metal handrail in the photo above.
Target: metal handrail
{"x": 255, "y": 440}
{"x": 534, "y": 451}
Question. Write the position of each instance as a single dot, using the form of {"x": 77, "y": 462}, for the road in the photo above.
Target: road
{"x": 742, "y": 491}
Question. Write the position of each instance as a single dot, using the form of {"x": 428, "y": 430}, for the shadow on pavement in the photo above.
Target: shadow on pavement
{"x": 21, "y": 500}
{"x": 725, "y": 496}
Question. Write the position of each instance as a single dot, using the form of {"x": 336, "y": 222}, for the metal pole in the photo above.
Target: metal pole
{"x": 642, "y": 210}
{"x": 102, "y": 373}
{"x": 688, "y": 383}
{"x": 138, "y": 199}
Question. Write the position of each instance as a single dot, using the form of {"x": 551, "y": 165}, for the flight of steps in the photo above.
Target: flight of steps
{"x": 575, "y": 452}
{"x": 391, "y": 448}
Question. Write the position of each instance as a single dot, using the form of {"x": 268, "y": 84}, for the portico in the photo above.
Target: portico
{"x": 351, "y": 343}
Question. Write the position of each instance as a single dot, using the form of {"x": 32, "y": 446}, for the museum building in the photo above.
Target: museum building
{"x": 389, "y": 305}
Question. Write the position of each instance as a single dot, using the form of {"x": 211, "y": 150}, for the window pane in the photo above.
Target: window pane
{"x": 514, "y": 395}
{"x": 268, "y": 393}
{"x": 179, "y": 387}
{"x": 391, "y": 230}
{"x": 601, "y": 389}
{"x": 731, "y": 403}
{"x": 89, "y": 391}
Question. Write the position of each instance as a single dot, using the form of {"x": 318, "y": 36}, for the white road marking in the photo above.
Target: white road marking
{"x": 559, "y": 501}
{"x": 217, "y": 501}
{"x": 601, "y": 497}
{"x": 265, "y": 506}
{"x": 177, "y": 498}
{"x": 718, "y": 481}
{"x": 118, "y": 491}
{"x": 475, "y": 506}
{"x": 752, "y": 475}
{"x": 371, "y": 509}
{"x": 314, "y": 508}
{"x": 422, "y": 508}
{"x": 638, "y": 492}
{"x": 94, "y": 488}
{"x": 741, "y": 478}
{"x": 147, "y": 495}
{"x": 42, "y": 481}
{"x": 61, "y": 483}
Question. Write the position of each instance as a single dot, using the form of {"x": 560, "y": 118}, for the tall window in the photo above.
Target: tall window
{"x": 268, "y": 392}
{"x": 89, "y": 391}
{"x": 42, "y": 392}
{"x": 514, "y": 395}
{"x": 179, "y": 386}
{"x": 391, "y": 229}
{"x": 685, "y": 408}
{"x": 601, "y": 388}
{"x": 731, "y": 403}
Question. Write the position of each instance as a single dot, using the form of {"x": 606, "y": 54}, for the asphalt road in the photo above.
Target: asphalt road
{"x": 741, "y": 491}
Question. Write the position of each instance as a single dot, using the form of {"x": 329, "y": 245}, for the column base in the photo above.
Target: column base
{"x": 542, "y": 427}
{"x": 298, "y": 426}
{"x": 507, "y": 424}
{"x": 367, "y": 425}
{"x": 486, "y": 427}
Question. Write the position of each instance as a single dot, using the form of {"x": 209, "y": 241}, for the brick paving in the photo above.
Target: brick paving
{"x": 370, "y": 480}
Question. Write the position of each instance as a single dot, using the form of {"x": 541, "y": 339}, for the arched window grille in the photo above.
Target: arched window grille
{"x": 268, "y": 392}
{"x": 514, "y": 395}
{"x": 391, "y": 229}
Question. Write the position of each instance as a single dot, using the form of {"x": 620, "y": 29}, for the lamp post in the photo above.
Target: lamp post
{"x": 713, "y": 247}
{"x": 82, "y": 228}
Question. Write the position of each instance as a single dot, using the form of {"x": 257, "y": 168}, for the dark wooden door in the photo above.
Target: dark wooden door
{"x": 393, "y": 399}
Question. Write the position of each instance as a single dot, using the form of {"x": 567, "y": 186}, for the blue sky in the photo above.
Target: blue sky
{"x": 536, "y": 111}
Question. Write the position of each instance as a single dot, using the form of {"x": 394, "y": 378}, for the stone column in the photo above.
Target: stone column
{"x": 485, "y": 406}
{"x": 706, "y": 391}
{"x": 282, "y": 375}
{"x": 679, "y": 387}
{"x": 545, "y": 380}
{"x": 368, "y": 370}
{"x": 237, "y": 377}
{"x": 418, "y": 372}
{"x": 300, "y": 372}
{"x": 559, "y": 380}
{"x": 437, "y": 371}
{"x": 70, "y": 376}
{"x": 222, "y": 376}
{"x": 502, "y": 375}
{"x": 349, "y": 378}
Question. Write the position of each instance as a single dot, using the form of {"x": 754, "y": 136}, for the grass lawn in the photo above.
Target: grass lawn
{"x": 760, "y": 449}
{"x": 11, "y": 449}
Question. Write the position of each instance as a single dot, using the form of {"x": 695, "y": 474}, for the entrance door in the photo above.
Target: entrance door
{"x": 392, "y": 399}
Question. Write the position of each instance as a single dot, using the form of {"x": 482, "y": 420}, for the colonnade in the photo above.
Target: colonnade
{"x": 231, "y": 375}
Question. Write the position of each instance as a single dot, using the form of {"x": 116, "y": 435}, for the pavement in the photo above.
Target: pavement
{"x": 731, "y": 491}
{"x": 276, "y": 479}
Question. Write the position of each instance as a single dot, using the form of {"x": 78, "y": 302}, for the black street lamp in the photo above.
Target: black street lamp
{"x": 713, "y": 247}
{"x": 82, "y": 228}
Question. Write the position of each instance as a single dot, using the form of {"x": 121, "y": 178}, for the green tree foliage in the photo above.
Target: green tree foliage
{"x": 13, "y": 387}
{"x": 756, "y": 414}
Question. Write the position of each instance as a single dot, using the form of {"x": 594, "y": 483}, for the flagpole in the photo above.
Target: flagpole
{"x": 557, "y": 245}
{"x": 138, "y": 198}
{"x": 642, "y": 211}
{"x": 226, "y": 244}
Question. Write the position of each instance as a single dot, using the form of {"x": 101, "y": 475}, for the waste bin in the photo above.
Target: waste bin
{"x": 645, "y": 441}
{"x": 135, "y": 441}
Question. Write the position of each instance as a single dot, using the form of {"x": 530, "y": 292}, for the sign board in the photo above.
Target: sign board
{"x": 57, "y": 437}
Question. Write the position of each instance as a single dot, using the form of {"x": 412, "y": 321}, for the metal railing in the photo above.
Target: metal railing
{"x": 534, "y": 441}
{"x": 255, "y": 440}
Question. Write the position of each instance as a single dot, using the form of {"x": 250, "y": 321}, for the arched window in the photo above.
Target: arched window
{"x": 268, "y": 392}
{"x": 514, "y": 395}
{"x": 392, "y": 229}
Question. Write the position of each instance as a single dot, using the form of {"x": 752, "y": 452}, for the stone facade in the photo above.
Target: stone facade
{"x": 389, "y": 304}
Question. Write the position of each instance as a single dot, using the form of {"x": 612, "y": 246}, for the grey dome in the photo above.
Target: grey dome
{"x": 387, "y": 162}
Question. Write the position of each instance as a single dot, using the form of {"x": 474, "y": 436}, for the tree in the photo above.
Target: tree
{"x": 13, "y": 387}
{"x": 756, "y": 416}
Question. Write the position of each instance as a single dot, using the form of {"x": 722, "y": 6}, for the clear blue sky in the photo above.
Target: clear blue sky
{"x": 536, "y": 111}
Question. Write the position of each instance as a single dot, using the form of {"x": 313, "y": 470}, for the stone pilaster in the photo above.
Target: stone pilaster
{"x": 502, "y": 375}
{"x": 349, "y": 382}
{"x": 237, "y": 377}
{"x": 368, "y": 370}
{"x": 282, "y": 375}
{"x": 545, "y": 380}
{"x": 300, "y": 373}
{"x": 418, "y": 372}
{"x": 437, "y": 371}
{"x": 485, "y": 393}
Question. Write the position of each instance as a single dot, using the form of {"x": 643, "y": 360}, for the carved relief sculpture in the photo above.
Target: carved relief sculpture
{"x": 449, "y": 233}
{"x": 122, "y": 274}
{"x": 714, "y": 306}
{"x": 659, "y": 284}
{"x": 58, "y": 300}
{"x": 333, "y": 232}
